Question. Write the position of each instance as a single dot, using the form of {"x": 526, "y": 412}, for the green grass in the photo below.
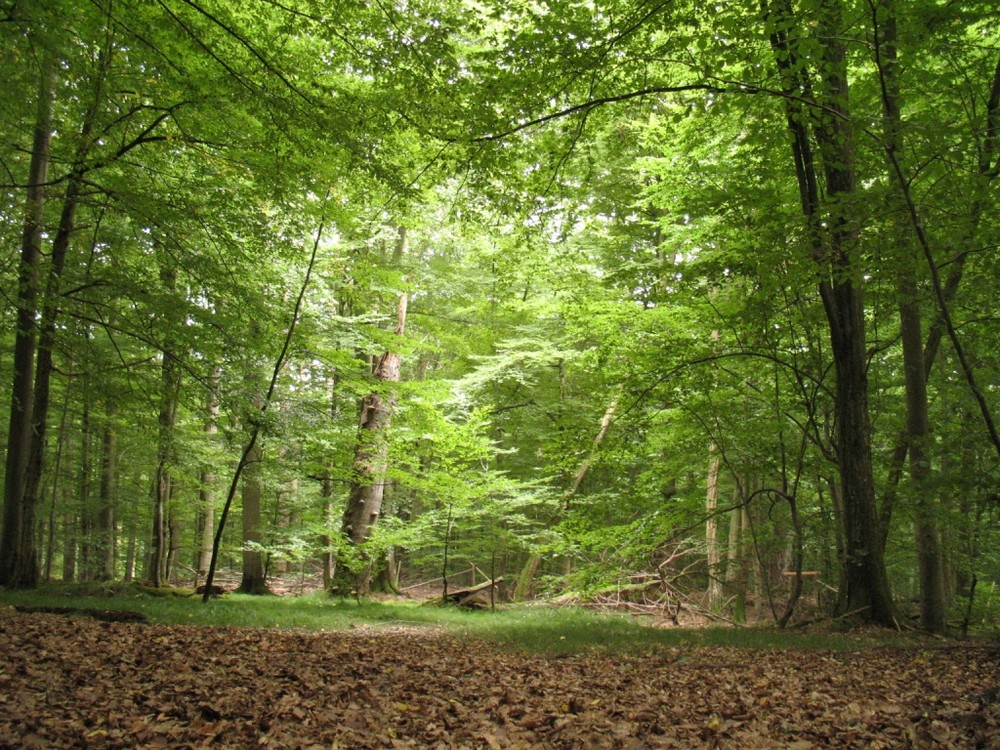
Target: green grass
{"x": 540, "y": 629}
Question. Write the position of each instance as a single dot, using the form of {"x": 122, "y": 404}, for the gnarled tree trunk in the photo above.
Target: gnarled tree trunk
{"x": 364, "y": 503}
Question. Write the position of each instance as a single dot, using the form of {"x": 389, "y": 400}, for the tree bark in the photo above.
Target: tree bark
{"x": 18, "y": 566}
{"x": 253, "y": 580}
{"x": 57, "y": 486}
{"x": 170, "y": 382}
{"x": 106, "y": 515}
{"x": 581, "y": 473}
{"x": 713, "y": 554}
{"x": 932, "y": 603}
{"x": 833, "y": 231}
{"x": 364, "y": 503}
{"x": 85, "y": 542}
{"x": 174, "y": 534}
{"x": 25, "y": 563}
{"x": 207, "y": 479}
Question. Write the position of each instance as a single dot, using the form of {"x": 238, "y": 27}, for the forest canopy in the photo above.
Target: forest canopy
{"x": 683, "y": 306}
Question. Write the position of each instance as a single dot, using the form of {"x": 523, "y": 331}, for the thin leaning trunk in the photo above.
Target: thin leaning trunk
{"x": 252, "y": 442}
{"x": 254, "y": 577}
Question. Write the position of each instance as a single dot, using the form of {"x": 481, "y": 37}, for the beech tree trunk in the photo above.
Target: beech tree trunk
{"x": 130, "y": 553}
{"x": 105, "y": 532}
{"x": 44, "y": 368}
{"x": 253, "y": 580}
{"x": 328, "y": 559}
{"x": 85, "y": 544}
{"x": 833, "y": 232}
{"x": 170, "y": 383}
{"x": 174, "y": 534}
{"x": 18, "y": 564}
{"x": 929, "y": 564}
{"x": 364, "y": 503}
{"x": 739, "y": 557}
{"x": 18, "y": 557}
{"x": 57, "y": 489}
{"x": 207, "y": 479}
{"x": 713, "y": 554}
{"x": 69, "y": 547}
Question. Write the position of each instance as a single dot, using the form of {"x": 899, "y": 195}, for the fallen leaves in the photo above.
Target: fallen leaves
{"x": 81, "y": 683}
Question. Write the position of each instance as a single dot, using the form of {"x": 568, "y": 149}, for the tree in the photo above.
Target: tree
{"x": 17, "y": 553}
{"x": 364, "y": 503}
{"x": 834, "y": 239}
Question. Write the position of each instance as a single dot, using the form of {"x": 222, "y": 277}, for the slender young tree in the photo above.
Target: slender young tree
{"x": 932, "y": 604}
{"x": 106, "y": 525}
{"x": 207, "y": 478}
{"x": 170, "y": 384}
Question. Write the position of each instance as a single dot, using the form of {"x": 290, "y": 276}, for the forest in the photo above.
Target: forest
{"x": 662, "y": 305}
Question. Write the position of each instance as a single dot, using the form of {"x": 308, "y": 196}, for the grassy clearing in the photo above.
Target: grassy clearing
{"x": 539, "y": 629}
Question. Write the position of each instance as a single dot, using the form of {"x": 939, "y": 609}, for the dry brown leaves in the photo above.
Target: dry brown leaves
{"x": 81, "y": 683}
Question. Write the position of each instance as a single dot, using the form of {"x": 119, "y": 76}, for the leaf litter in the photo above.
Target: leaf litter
{"x": 70, "y": 682}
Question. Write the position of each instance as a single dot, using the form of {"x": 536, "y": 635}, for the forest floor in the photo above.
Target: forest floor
{"x": 76, "y": 682}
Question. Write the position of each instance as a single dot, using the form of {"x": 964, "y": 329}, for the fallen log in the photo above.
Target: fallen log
{"x": 474, "y": 597}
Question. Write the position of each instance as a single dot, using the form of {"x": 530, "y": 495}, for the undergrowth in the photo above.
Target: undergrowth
{"x": 539, "y": 629}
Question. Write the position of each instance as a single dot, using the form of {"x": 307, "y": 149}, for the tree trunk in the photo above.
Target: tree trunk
{"x": 57, "y": 486}
{"x": 207, "y": 479}
{"x": 174, "y": 535}
{"x": 714, "y": 556}
{"x": 105, "y": 531}
{"x": 367, "y": 489}
{"x": 44, "y": 368}
{"x": 170, "y": 383}
{"x": 835, "y": 250}
{"x": 606, "y": 420}
{"x": 329, "y": 557}
{"x": 18, "y": 567}
{"x": 69, "y": 547}
{"x": 253, "y": 581}
{"x": 84, "y": 514}
{"x": 740, "y": 555}
{"x": 130, "y": 552}
{"x": 932, "y": 603}
{"x": 23, "y": 565}
{"x": 364, "y": 503}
